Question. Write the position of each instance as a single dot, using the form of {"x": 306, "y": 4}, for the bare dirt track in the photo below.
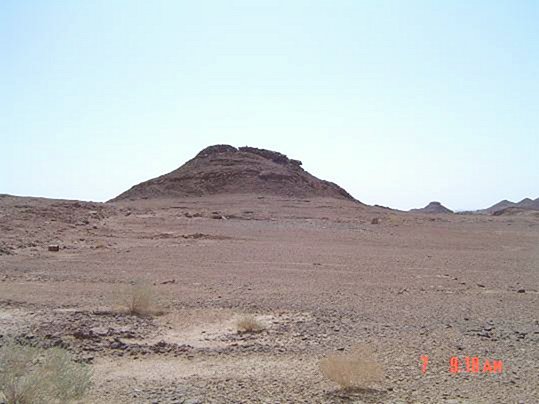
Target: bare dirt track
{"x": 316, "y": 271}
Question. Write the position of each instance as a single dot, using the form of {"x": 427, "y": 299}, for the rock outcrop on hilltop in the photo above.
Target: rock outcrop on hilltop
{"x": 224, "y": 169}
{"x": 433, "y": 207}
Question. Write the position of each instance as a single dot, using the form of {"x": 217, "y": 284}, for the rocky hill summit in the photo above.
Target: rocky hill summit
{"x": 224, "y": 169}
{"x": 433, "y": 207}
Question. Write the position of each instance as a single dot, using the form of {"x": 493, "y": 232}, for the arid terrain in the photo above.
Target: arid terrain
{"x": 269, "y": 202}
{"x": 318, "y": 273}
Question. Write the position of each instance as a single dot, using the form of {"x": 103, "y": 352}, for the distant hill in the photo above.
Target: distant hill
{"x": 498, "y": 206}
{"x": 224, "y": 169}
{"x": 508, "y": 206}
{"x": 432, "y": 207}
{"x": 528, "y": 203}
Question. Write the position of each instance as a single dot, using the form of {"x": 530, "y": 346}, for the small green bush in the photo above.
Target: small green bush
{"x": 30, "y": 375}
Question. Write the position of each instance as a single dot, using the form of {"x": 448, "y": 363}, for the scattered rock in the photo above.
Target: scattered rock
{"x": 190, "y": 215}
{"x": 5, "y": 250}
{"x": 400, "y": 292}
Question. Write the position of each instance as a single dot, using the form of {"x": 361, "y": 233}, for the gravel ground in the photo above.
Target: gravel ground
{"x": 316, "y": 273}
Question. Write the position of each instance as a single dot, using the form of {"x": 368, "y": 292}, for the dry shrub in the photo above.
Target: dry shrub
{"x": 30, "y": 375}
{"x": 249, "y": 324}
{"x": 139, "y": 299}
{"x": 357, "y": 369}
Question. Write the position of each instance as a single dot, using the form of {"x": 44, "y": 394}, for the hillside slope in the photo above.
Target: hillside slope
{"x": 224, "y": 169}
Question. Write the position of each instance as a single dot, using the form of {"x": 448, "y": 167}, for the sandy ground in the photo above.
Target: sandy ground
{"x": 317, "y": 273}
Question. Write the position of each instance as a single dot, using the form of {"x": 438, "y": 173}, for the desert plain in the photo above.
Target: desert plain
{"x": 319, "y": 274}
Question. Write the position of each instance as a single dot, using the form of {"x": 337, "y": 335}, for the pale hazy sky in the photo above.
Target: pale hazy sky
{"x": 399, "y": 102}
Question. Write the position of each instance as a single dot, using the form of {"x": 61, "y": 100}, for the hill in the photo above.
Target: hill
{"x": 508, "y": 206}
{"x": 432, "y": 207}
{"x": 224, "y": 169}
